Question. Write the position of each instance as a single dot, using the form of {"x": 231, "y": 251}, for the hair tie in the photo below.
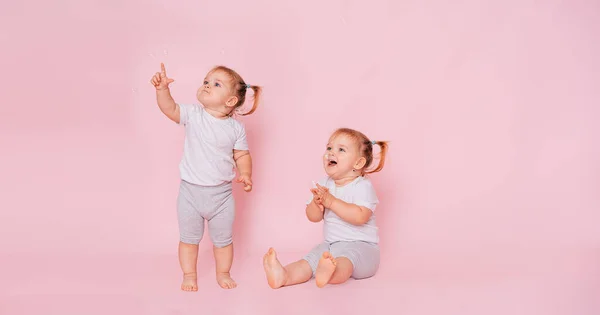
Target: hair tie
{"x": 247, "y": 86}
{"x": 373, "y": 142}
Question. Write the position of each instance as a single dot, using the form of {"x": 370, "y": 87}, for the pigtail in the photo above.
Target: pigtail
{"x": 384, "y": 147}
{"x": 257, "y": 94}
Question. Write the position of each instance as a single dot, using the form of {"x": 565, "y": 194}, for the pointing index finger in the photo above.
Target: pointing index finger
{"x": 162, "y": 69}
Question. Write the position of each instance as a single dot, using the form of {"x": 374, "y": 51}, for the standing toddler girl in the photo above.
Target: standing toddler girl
{"x": 215, "y": 144}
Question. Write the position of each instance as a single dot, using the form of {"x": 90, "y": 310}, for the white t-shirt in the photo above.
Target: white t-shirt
{"x": 208, "y": 149}
{"x": 359, "y": 192}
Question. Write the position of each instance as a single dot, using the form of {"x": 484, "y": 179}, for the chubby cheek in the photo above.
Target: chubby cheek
{"x": 343, "y": 165}
{"x": 346, "y": 164}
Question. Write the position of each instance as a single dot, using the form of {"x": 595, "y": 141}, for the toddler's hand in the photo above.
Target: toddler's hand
{"x": 317, "y": 199}
{"x": 325, "y": 196}
{"x": 160, "y": 79}
{"x": 245, "y": 179}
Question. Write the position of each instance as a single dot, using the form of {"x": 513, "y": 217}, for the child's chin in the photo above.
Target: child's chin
{"x": 204, "y": 102}
{"x": 329, "y": 171}
{"x": 201, "y": 98}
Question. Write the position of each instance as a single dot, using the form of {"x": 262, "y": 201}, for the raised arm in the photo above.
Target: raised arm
{"x": 165, "y": 101}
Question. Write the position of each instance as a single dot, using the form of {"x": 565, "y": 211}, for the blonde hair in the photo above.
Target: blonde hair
{"x": 240, "y": 88}
{"x": 365, "y": 147}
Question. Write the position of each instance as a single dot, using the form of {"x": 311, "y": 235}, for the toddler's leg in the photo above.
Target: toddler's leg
{"x": 279, "y": 276}
{"x": 358, "y": 260}
{"x": 223, "y": 262}
{"x": 220, "y": 228}
{"x": 188, "y": 257}
{"x": 294, "y": 273}
{"x": 191, "y": 229}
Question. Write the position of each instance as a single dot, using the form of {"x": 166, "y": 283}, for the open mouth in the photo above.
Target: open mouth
{"x": 331, "y": 163}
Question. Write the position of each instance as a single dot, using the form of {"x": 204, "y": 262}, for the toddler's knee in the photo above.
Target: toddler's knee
{"x": 188, "y": 239}
{"x": 222, "y": 238}
{"x": 220, "y": 243}
{"x": 364, "y": 271}
{"x": 362, "y": 274}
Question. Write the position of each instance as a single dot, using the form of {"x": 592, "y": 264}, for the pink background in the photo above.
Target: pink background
{"x": 490, "y": 107}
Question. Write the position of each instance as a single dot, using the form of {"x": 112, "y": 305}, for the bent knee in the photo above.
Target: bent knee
{"x": 363, "y": 274}
{"x": 363, "y": 271}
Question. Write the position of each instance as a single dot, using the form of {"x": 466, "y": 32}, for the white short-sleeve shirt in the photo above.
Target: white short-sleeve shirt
{"x": 208, "y": 148}
{"x": 359, "y": 192}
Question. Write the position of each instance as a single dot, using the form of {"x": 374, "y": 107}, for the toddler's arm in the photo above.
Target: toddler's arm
{"x": 167, "y": 105}
{"x": 163, "y": 95}
{"x": 314, "y": 211}
{"x": 243, "y": 161}
{"x": 350, "y": 212}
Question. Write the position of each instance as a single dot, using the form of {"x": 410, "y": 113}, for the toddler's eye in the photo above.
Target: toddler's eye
{"x": 205, "y": 82}
{"x": 217, "y": 84}
{"x": 342, "y": 150}
{"x": 328, "y": 148}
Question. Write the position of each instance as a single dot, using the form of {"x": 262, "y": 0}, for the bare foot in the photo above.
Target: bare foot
{"x": 190, "y": 282}
{"x": 225, "y": 281}
{"x": 325, "y": 269}
{"x": 276, "y": 274}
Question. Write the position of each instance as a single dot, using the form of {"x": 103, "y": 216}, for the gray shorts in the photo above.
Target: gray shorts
{"x": 214, "y": 204}
{"x": 363, "y": 256}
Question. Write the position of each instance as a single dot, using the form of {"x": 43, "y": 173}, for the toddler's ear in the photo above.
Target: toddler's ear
{"x": 360, "y": 163}
{"x": 232, "y": 101}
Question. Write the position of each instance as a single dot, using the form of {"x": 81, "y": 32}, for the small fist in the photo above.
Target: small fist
{"x": 160, "y": 79}
{"x": 245, "y": 179}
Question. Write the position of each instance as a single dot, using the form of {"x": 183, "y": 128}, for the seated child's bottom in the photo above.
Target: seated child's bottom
{"x": 363, "y": 256}
{"x": 214, "y": 204}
